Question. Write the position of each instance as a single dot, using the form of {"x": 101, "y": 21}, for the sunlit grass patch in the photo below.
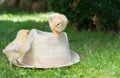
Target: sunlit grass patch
{"x": 37, "y": 17}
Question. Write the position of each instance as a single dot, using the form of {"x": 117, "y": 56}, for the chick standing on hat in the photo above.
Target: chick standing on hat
{"x": 57, "y": 23}
{"x": 18, "y": 48}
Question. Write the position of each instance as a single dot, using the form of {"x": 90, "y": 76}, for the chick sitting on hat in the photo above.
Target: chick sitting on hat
{"x": 57, "y": 23}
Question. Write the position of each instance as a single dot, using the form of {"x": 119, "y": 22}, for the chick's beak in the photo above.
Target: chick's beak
{"x": 56, "y": 33}
{"x": 53, "y": 27}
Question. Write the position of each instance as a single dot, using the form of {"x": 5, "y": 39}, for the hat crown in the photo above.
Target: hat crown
{"x": 48, "y": 50}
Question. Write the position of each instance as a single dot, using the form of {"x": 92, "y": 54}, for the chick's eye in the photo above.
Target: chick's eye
{"x": 58, "y": 24}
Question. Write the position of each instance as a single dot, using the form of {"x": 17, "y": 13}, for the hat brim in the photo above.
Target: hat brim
{"x": 74, "y": 59}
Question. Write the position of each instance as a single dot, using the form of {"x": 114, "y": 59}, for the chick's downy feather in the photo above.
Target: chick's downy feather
{"x": 57, "y": 22}
{"x": 18, "y": 47}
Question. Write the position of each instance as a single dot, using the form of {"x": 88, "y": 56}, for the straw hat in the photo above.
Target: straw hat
{"x": 48, "y": 51}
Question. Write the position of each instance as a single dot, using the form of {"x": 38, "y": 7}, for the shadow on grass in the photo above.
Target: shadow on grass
{"x": 17, "y": 11}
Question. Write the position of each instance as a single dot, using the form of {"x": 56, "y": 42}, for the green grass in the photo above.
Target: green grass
{"x": 99, "y": 51}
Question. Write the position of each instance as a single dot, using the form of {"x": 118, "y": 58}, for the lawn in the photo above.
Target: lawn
{"x": 99, "y": 51}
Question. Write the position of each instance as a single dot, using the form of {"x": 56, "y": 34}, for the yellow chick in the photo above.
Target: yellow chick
{"x": 18, "y": 47}
{"x": 57, "y": 23}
